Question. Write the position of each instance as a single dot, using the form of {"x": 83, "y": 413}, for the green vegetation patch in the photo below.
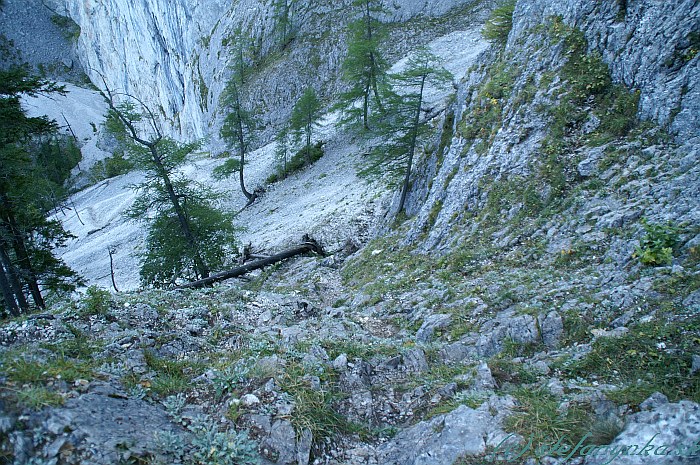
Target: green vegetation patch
{"x": 111, "y": 167}
{"x": 21, "y": 369}
{"x": 652, "y": 357}
{"x": 172, "y": 376}
{"x": 37, "y": 397}
{"x": 552, "y": 427}
{"x": 486, "y": 117}
{"x": 500, "y": 22}
{"x": 657, "y": 246}
{"x": 68, "y": 27}
{"x": 296, "y": 163}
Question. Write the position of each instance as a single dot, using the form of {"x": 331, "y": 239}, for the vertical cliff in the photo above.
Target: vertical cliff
{"x": 175, "y": 54}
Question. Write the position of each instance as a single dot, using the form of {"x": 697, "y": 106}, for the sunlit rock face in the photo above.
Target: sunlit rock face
{"x": 175, "y": 54}
{"x": 147, "y": 49}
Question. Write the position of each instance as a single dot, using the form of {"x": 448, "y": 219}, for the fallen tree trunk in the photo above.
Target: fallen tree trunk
{"x": 309, "y": 245}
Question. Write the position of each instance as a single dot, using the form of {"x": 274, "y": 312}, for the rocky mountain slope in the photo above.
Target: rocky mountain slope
{"x": 539, "y": 303}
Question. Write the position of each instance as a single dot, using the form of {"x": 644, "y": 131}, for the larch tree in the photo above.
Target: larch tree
{"x": 305, "y": 114}
{"x": 240, "y": 122}
{"x": 404, "y": 127}
{"x": 188, "y": 236}
{"x": 283, "y": 17}
{"x": 364, "y": 67}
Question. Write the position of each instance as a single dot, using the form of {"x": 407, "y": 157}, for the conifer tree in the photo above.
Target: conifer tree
{"x": 364, "y": 68}
{"x": 239, "y": 123}
{"x": 304, "y": 116}
{"x": 188, "y": 236}
{"x": 403, "y": 126}
{"x": 282, "y": 151}
{"x": 29, "y": 175}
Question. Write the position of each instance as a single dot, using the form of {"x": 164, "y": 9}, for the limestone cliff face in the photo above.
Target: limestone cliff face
{"x": 648, "y": 46}
{"x": 496, "y": 172}
{"x": 174, "y": 54}
{"x": 147, "y": 49}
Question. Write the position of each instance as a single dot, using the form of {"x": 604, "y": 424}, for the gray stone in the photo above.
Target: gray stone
{"x": 340, "y": 363}
{"x": 456, "y": 352}
{"x": 304, "y": 447}
{"x": 692, "y": 302}
{"x": 442, "y": 440}
{"x": 414, "y": 361}
{"x": 319, "y": 352}
{"x": 260, "y": 423}
{"x": 551, "y": 329}
{"x": 270, "y": 364}
{"x": 696, "y": 365}
{"x": 483, "y": 379}
{"x": 250, "y": 400}
{"x": 392, "y": 363}
{"x": 660, "y": 423}
{"x": 292, "y": 334}
{"x": 108, "y": 421}
{"x": 22, "y": 446}
{"x": 507, "y": 325}
{"x": 589, "y": 126}
{"x": 539, "y": 367}
{"x": 689, "y": 161}
{"x": 282, "y": 441}
{"x": 53, "y": 449}
{"x": 587, "y": 167}
{"x": 285, "y": 408}
{"x": 448, "y": 391}
{"x": 431, "y": 324}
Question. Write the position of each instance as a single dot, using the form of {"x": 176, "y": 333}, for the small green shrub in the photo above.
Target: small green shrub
{"x": 69, "y": 28}
{"x": 656, "y": 247}
{"x": 540, "y": 418}
{"x": 500, "y": 23}
{"x": 229, "y": 167}
{"x": 96, "y": 301}
{"x": 172, "y": 377}
{"x": 297, "y": 163}
{"x": 210, "y": 445}
{"x": 113, "y": 166}
{"x": 79, "y": 347}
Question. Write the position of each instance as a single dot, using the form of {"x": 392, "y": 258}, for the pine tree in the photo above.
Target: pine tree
{"x": 239, "y": 123}
{"x": 304, "y": 116}
{"x": 187, "y": 235}
{"x": 29, "y": 175}
{"x": 364, "y": 68}
{"x": 402, "y": 126}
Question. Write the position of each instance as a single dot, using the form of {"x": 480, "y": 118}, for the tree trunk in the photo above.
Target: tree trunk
{"x": 307, "y": 154}
{"x": 365, "y": 105}
{"x": 241, "y": 150}
{"x": 373, "y": 62}
{"x": 414, "y": 136}
{"x": 13, "y": 280}
{"x": 111, "y": 269}
{"x": 309, "y": 246}
{"x": 200, "y": 266}
{"x": 7, "y": 294}
{"x": 20, "y": 248}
